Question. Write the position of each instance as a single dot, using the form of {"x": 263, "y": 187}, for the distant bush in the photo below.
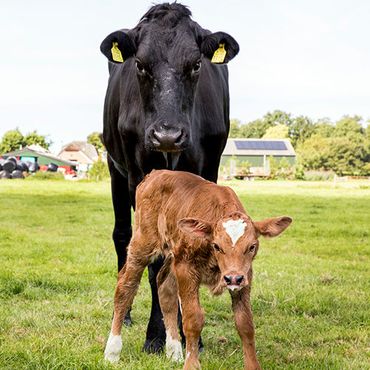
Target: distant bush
{"x": 99, "y": 171}
{"x": 46, "y": 175}
{"x": 319, "y": 175}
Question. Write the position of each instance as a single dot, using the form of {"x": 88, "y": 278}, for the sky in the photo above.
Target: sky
{"x": 306, "y": 57}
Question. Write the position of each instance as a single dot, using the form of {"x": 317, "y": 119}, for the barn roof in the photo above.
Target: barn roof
{"x": 81, "y": 146}
{"x": 269, "y": 147}
{"x": 42, "y": 157}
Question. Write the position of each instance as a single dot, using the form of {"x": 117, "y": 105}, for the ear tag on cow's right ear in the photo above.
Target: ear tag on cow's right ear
{"x": 116, "y": 53}
{"x": 219, "y": 55}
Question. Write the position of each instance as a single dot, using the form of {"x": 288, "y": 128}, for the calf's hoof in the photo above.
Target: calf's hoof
{"x": 174, "y": 351}
{"x": 113, "y": 348}
{"x": 155, "y": 345}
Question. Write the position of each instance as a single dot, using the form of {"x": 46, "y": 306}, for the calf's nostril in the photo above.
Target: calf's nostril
{"x": 239, "y": 279}
{"x": 228, "y": 279}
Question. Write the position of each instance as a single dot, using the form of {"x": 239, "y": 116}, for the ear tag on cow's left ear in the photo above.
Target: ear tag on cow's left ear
{"x": 219, "y": 55}
{"x": 116, "y": 53}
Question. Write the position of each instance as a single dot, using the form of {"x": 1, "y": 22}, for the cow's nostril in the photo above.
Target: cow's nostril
{"x": 228, "y": 279}
{"x": 239, "y": 279}
{"x": 179, "y": 136}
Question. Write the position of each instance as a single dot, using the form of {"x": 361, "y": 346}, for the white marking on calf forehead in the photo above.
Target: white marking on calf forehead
{"x": 235, "y": 229}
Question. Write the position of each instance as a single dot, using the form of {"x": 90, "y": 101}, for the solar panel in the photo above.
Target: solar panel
{"x": 260, "y": 145}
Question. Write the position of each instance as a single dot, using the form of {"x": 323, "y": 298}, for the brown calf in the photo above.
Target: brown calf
{"x": 207, "y": 238}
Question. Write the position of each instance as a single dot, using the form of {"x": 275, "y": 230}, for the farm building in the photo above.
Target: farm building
{"x": 39, "y": 155}
{"x": 254, "y": 155}
{"x": 81, "y": 153}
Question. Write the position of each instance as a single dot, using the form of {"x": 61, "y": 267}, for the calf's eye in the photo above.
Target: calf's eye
{"x": 217, "y": 248}
{"x": 252, "y": 248}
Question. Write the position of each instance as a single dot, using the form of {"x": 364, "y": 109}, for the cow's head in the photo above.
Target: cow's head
{"x": 234, "y": 240}
{"x": 168, "y": 51}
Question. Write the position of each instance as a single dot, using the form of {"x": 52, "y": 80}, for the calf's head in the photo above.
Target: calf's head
{"x": 234, "y": 240}
{"x": 166, "y": 52}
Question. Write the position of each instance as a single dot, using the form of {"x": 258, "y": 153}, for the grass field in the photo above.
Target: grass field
{"x": 310, "y": 296}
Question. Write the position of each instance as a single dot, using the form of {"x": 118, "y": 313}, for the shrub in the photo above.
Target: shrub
{"x": 99, "y": 171}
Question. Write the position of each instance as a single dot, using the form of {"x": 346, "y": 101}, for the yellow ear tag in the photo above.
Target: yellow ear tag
{"x": 116, "y": 53}
{"x": 219, "y": 55}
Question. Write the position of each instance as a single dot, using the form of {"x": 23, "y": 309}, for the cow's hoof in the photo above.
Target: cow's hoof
{"x": 127, "y": 320}
{"x": 154, "y": 345}
{"x": 113, "y": 348}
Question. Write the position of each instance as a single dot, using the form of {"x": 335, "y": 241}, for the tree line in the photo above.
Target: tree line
{"x": 14, "y": 139}
{"x": 342, "y": 146}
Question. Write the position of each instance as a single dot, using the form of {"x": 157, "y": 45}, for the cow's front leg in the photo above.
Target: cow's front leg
{"x": 122, "y": 231}
{"x": 244, "y": 324}
{"x": 127, "y": 286}
{"x": 192, "y": 313}
{"x": 155, "y": 334}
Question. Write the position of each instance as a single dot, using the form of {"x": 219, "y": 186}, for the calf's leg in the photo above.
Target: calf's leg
{"x": 167, "y": 291}
{"x": 244, "y": 325}
{"x": 192, "y": 313}
{"x": 127, "y": 286}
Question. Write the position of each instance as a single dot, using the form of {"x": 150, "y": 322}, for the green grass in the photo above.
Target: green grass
{"x": 310, "y": 295}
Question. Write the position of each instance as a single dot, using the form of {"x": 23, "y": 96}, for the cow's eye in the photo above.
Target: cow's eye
{"x": 196, "y": 66}
{"x": 218, "y": 248}
{"x": 139, "y": 67}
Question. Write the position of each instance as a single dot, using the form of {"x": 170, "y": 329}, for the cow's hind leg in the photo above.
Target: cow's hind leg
{"x": 155, "y": 334}
{"x": 122, "y": 231}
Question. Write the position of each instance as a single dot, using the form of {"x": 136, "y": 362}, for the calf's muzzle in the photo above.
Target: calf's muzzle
{"x": 233, "y": 279}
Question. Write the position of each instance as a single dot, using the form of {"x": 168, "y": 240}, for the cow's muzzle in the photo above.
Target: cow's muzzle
{"x": 172, "y": 140}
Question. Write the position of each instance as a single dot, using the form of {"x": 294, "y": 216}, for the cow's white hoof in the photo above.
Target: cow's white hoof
{"x": 174, "y": 349}
{"x": 113, "y": 348}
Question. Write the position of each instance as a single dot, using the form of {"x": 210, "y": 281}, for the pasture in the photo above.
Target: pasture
{"x": 310, "y": 295}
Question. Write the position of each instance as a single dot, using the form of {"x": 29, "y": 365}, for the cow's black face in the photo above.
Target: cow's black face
{"x": 168, "y": 70}
{"x": 166, "y": 52}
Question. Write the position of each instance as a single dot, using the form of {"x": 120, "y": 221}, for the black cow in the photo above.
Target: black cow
{"x": 166, "y": 106}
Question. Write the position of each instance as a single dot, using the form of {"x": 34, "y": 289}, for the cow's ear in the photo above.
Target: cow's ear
{"x": 196, "y": 228}
{"x": 272, "y": 226}
{"x": 117, "y": 47}
{"x": 219, "y": 47}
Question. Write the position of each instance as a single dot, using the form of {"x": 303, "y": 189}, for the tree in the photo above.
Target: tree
{"x": 254, "y": 129}
{"x": 235, "y": 125}
{"x": 277, "y": 132}
{"x": 278, "y": 117}
{"x": 341, "y": 154}
{"x": 324, "y": 128}
{"x": 12, "y": 140}
{"x": 300, "y": 129}
{"x": 34, "y": 138}
{"x": 95, "y": 139}
{"x": 349, "y": 126}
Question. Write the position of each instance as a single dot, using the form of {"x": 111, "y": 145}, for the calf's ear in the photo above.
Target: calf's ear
{"x": 117, "y": 47}
{"x": 196, "y": 228}
{"x": 272, "y": 226}
{"x": 219, "y": 47}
